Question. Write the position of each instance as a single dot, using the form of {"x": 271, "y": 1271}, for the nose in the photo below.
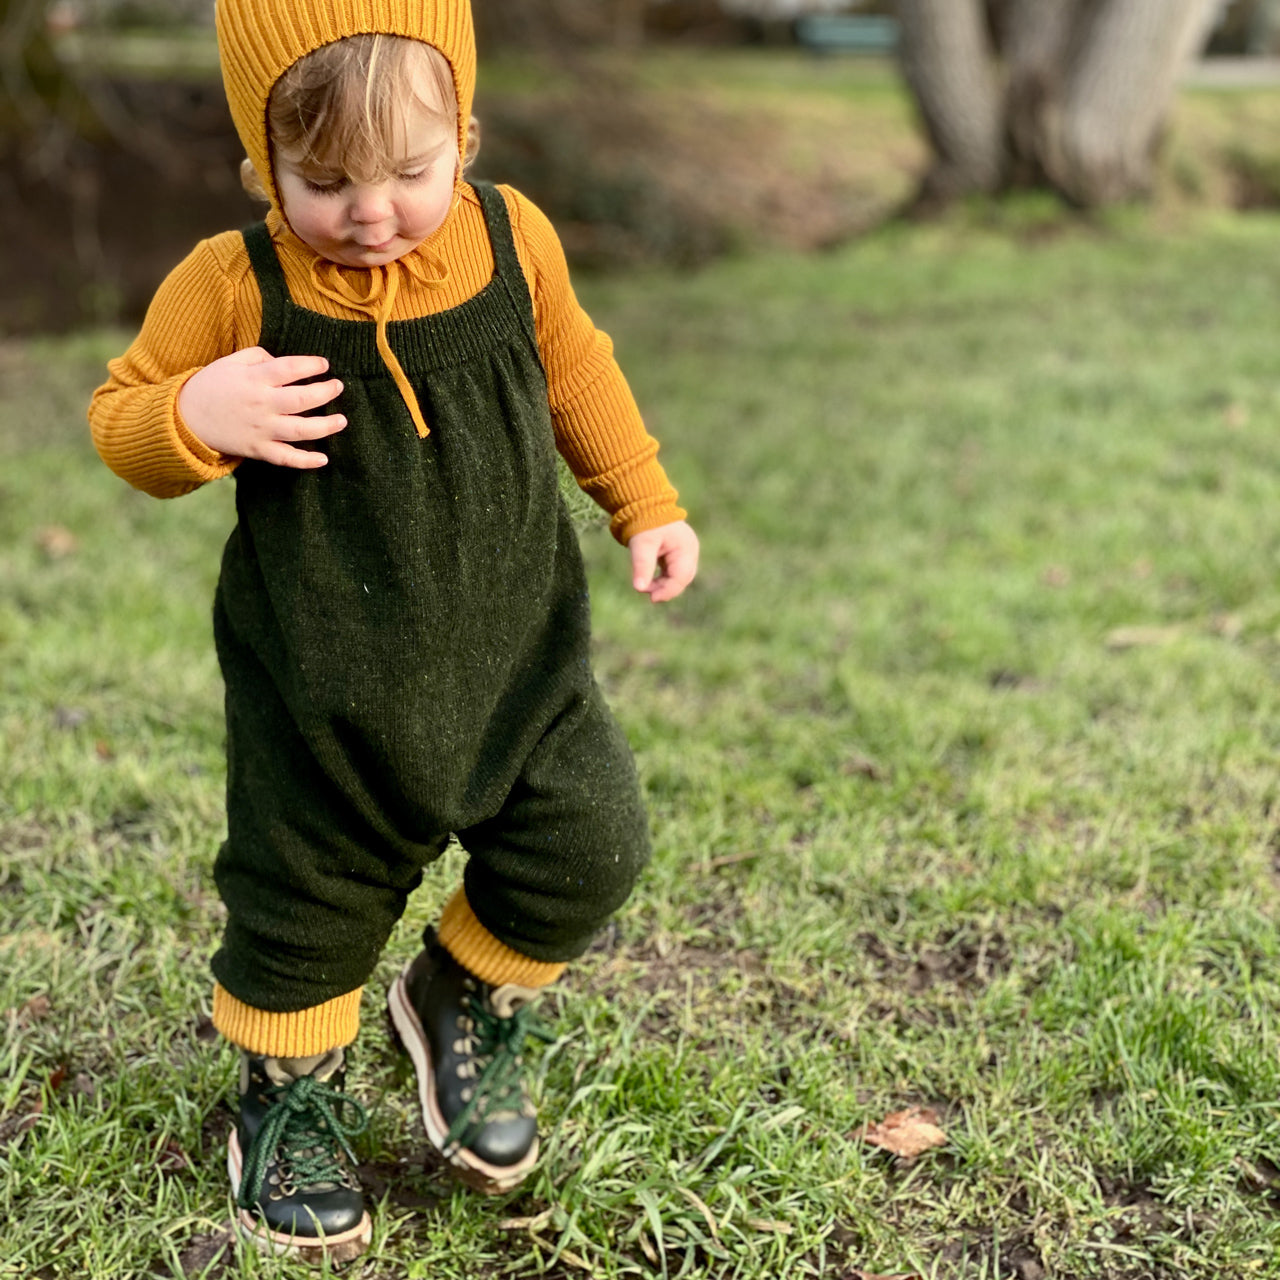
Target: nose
{"x": 370, "y": 202}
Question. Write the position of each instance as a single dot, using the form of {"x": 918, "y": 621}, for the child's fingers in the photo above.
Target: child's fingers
{"x": 679, "y": 568}
{"x": 284, "y": 455}
{"x": 291, "y": 427}
{"x": 644, "y": 562}
{"x": 283, "y": 370}
{"x": 308, "y": 395}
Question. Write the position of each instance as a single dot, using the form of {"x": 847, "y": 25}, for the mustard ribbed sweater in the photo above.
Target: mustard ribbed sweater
{"x": 209, "y": 306}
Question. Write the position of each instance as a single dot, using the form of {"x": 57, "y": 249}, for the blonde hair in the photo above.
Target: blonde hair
{"x": 343, "y": 105}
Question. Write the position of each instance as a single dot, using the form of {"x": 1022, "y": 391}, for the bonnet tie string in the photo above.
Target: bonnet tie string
{"x": 378, "y": 302}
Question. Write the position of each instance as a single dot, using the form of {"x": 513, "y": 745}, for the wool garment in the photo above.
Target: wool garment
{"x": 405, "y": 639}
{"x": 210, "y": 306}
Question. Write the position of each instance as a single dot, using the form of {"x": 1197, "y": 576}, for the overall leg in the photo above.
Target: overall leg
{"x": 564, "y": 854}
{"x": 542, "y": 878}
{"x": 311, "y": 896}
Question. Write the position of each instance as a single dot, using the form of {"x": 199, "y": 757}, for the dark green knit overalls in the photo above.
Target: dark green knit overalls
{"x": 404, "y": 636}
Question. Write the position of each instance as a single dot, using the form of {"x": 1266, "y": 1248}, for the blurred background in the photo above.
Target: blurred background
{"x": 654, "y": 131}
{"x": 956, "y": 320}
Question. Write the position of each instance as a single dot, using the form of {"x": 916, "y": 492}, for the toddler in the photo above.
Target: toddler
{"x": 388, "y": 365}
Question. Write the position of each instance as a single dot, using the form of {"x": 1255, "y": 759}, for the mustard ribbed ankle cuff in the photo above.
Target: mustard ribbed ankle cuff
{"x": 480, "y": 953}
{"x": 287, "y": 1035}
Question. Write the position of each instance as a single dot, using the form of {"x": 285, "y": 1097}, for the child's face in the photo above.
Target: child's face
{"x": 360, "y": 223}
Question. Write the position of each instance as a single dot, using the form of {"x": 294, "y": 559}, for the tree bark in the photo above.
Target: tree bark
{"x": 1035, "y": 41}
{"x": 948, "y": 62}
{"x": 1070, "y": 94}
{"x": 1101, "y": 146}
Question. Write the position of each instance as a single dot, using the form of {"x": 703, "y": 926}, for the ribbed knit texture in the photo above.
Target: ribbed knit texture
{"x": 259, "y": 40}
{"x": 210, "y": 306}
{"x": 287, "y": 1035}
{"x": 480, "y": 953}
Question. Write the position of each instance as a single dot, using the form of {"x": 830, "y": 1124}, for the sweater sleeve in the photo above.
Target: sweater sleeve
{"x": 598, "y": 427}
{"x": 134, "y": 416}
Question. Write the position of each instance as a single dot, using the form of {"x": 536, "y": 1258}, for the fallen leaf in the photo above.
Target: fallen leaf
{"x": 701, "y": 1207}
{"x": 36, "y": 1008}
{"x": 906, "y": 1133}
{"x": 769, "y": 1224}
{"x": 526, "y": 1224}
{"x": 859, "y": 766}
{"x": 169, "y": 1156}
{"x": 1056, "y": 575}
{"x": 726, "y": 860}
{"x": 56, "y": 542}
{"x": 102, "y": 749}
{"x": 1227, "y": 625}
{"x": 1141, "y": 637}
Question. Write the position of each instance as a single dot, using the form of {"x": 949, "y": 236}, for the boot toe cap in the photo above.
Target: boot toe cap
{"x": 504, "y": 1142}
{"x": 333, "y": 1214}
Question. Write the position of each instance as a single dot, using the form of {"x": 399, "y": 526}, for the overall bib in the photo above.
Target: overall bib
{"x": 404, "y": 637}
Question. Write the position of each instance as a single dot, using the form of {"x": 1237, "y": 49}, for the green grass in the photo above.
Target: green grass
{"x": 931, "y": 828}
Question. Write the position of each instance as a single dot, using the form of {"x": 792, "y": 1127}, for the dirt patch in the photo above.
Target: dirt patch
{"x": 209, "y": 1256}
{"x": 631, "y": 177}
{"x": 962, "y": 960}
{"x": 1007, "y": 1257}
{"x": 87, "y": 230}
{"x": 628, "y": 175}
{"x": 702, "y": 971}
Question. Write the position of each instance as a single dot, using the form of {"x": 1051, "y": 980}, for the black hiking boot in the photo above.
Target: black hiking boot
{"x": 465, "y": 1038}
{"x": 290, "y": 1159}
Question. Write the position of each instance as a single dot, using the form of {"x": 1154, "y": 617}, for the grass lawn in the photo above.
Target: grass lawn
{"x": 962, "y": 763}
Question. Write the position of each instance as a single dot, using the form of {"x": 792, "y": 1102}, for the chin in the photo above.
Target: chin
{"x": 354, "y": 255}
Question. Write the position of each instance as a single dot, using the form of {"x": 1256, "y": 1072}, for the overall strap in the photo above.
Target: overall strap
{"x": 505, "y": 259}
{"x": 271, "y": 282}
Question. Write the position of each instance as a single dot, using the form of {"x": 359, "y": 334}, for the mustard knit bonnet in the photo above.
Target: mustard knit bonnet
{"x": 259, "y": 40}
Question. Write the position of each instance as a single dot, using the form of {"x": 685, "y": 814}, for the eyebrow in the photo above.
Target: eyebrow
{"x": 318, "y": 171}
{"x": 405, "y": 162}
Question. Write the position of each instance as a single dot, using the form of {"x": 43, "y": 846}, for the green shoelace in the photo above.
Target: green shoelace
{"x": 500, "y": 1086}
{"x": 304, "y": 1125}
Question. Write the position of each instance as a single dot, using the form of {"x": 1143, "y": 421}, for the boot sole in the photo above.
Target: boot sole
{"x": 490, "y": 1179}
{"x": 251, "y": 1228}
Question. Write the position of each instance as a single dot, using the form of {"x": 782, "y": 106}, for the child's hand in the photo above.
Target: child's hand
{"x": 664, "y": 560}
{"x": 244, "y": 406}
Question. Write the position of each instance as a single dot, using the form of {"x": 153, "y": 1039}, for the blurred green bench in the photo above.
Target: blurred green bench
{"x": 847, "y": 33}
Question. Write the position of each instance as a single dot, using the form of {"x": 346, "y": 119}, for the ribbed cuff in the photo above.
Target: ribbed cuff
{"x": 287, "y": 1035}
{"x": 480, "y": 953}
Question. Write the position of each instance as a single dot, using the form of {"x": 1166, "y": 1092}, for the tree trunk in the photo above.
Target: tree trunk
{"x": 947, "y": 61}
{"x": 1070, "y": 94}
{"x": 1036, "y": 38}
{"x": 1101, "y": 146}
